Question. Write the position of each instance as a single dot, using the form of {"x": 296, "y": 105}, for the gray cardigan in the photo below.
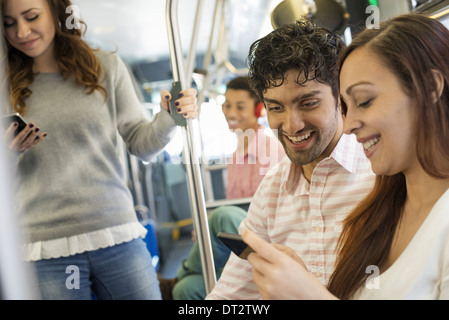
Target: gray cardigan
{"x": 73, "y": 182}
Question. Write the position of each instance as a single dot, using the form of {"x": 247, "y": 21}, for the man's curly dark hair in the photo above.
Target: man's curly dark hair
{"x": 302, "y": 46}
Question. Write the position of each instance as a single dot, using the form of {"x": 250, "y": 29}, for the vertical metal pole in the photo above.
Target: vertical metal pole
{"x": 190, "y": 64}
{"x": 208, "y": 56}
{"x": 198, "y": 205}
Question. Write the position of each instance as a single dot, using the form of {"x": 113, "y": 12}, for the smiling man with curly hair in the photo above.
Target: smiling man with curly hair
{"x": 302, "y": 202}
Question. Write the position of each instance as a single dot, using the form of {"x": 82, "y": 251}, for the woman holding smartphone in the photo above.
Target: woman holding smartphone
{"x": 72, "y": 195}
{"x": 394, "y": 85}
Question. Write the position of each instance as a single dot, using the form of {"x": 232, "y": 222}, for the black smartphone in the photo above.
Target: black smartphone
{"x": 14, "y": 117}
{"x": 235, "y": 243}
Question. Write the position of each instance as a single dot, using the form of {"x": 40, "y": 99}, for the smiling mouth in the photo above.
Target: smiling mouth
{"x": 233, "y": 122}
{"x": 369, "y": 145}
{"x": 28, "y": 43}
{"x": 299, "y": 139}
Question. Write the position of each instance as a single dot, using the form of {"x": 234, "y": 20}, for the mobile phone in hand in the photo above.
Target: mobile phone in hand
{"x": 235, "y": 243}
{"x": 14, "y": 117}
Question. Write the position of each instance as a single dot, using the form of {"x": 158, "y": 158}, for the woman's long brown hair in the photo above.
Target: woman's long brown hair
{"x": 411, "y": 46}
{"x": 74, "y": 56}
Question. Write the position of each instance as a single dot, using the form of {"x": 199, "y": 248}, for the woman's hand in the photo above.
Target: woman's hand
{"x": 185, "y": 103}
{"x": 290, "y": 252}
{"x": 25, "y": 139}
{"x": 279, "y": 276}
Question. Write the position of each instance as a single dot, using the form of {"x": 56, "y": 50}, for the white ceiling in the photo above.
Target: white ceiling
{"x": 137, "y": 27}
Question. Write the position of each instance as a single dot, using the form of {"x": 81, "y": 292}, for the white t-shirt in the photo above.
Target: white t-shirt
{"x": 422, "y": 270}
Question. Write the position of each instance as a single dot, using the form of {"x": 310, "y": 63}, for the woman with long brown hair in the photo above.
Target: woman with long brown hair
{"x": 81, "y": 229}
{"x": 394, "y": 85}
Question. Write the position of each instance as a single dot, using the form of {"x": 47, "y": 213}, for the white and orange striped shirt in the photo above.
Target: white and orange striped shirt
{"x": 306, "y": 217}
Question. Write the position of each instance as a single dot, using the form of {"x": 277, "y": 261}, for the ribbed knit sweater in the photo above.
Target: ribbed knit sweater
{"x": 74, "y": 181}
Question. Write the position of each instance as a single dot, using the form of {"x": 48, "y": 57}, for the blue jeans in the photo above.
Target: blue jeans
{"x": 122, "y": 272}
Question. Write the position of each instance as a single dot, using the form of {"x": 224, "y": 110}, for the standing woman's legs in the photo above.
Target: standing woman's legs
{"x": 124, "y": 272}
{"x": 64, "y": 278}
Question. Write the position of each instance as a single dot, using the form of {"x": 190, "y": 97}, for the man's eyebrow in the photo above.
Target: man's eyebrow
{"x": 308, "y": 95}
{"x": 237, "y": 102}
{"x": 348, "y": 91}
{"x": 296, "y": 99}
{"x": 273, "y": 101}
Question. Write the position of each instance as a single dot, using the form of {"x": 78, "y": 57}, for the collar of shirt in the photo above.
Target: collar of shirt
{"x": 346, "y": 153}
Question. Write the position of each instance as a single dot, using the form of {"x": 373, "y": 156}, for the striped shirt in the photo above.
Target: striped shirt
{"x": 306, "y": 217}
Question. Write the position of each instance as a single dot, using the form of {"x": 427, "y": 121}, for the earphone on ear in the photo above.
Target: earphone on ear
{"x": 258, "y": 111}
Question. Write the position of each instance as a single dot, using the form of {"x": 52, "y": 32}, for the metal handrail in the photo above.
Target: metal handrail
{"x": 199, "y": 212}
{"x": 228, "y": 202}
